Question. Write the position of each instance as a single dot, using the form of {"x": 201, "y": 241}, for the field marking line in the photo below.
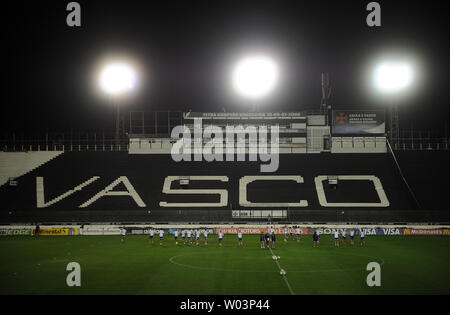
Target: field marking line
{"x": 172, "y": 260}
{"x": 284, "y": 276}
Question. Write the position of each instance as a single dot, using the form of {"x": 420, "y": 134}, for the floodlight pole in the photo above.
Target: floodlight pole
{"x": 326, "y": 92}
{"x": 394, "y": 127}
{"x": 117, "y": 124}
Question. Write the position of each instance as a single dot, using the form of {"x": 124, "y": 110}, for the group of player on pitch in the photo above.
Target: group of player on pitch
{"x": 352, "y": 237}
{"x": 188, "y": 237}
{"x": 267, "y": 239}
{"x": 192, "y": 237}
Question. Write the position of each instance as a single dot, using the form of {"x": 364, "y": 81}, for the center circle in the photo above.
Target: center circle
{"x": 322, "y": 262}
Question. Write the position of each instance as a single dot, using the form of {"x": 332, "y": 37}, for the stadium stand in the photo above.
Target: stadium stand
{"x": 16, "y": 164}
{"x": 73, "y": 188}
{"x": 322, "y": 177}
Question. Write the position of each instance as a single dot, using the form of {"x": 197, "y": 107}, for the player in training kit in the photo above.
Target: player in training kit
{"x": 124, "y": 233}
{"x": 261, "y": 239}
{"x": 239, "y": 238}
{"x": 206, "y": 236}
{"x": 151, "y": 234}
{"x": 267, "y": 237}
{"x": 363, "y": 239}
{"x": 175, "y": 235}
{"x": 298, "y": 232}
{"x": 183, "y": 236}
{"x": 285, "y": 234}
{"x": 220, "y": 237}
{"x": 316, "y": 239}
{"x": 291, "y": 232}
{"x": 272, "y": 235}
{"x": 344, "y": 237}
{"x": 161, "y": 237}
{"x": 352, "y": 236}
{"x": 189, "y": 236}
{"x": 197, "y": 236}
{"x": 336, "y": 238}
{"x": 273, "y": 239}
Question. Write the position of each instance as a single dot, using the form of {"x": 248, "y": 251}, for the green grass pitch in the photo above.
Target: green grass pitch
{"x": 409, "y": 265}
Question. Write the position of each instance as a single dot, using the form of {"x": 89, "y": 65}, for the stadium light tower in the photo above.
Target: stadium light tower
{"x": 254, "y": 77}
{"x": 116, "y": 79}
{"x": 391, "y": 78}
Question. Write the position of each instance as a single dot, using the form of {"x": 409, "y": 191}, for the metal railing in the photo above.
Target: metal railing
{"x": 405, "y": 144}
{"x": 103, "y": 142}
{"x": 62, "y": 142}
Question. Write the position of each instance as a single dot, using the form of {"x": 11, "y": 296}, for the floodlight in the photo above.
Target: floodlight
{"x": 391, "y": 77}
{"x": 117, "y": 78}
{"x": 255, "y": 77}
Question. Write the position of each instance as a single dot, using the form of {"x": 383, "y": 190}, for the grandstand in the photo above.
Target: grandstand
{"x": 325, "y": 175}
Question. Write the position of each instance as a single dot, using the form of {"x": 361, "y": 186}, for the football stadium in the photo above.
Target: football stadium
{"x": 326, "y": 199}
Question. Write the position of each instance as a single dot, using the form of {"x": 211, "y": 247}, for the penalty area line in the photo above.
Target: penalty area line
{"x": 284, "y": 276}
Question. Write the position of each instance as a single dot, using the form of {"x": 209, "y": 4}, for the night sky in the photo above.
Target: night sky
{"x": 186, "y": 50}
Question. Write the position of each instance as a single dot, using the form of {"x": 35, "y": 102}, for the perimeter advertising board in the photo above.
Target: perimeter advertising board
{"x": 101, "y": 231}
{"x": 366, "y": 231}
{"x": 256, "y": 230}
{"x": 48, "y": 232}
{"x": 12, "y": 232}
{"x": 414, "y": 231}
{"x": 359, "y": 122}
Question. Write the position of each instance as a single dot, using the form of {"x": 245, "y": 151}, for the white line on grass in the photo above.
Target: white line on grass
{"x": 172, "y": 260}
{"x": 284, "y": 276}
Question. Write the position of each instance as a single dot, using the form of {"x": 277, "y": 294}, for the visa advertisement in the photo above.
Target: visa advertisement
{"x": 366, "y": 231}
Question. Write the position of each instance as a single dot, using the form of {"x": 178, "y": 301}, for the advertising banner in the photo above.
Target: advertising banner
{"x": 191, "y": 115}
{"x": 380, "y": 231}
{"x": 91, "y": 231}
{"x": 366, "y": 231}
{"x": 112, "y": 231}
{"x": 359, "y": 122}
{"x": 100, "y": 231}
{"x": 12, "y": 232}
{"x": 257, "y": 230}
{"x": 48, "y": 232}
{"x": 426, "y": 232}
